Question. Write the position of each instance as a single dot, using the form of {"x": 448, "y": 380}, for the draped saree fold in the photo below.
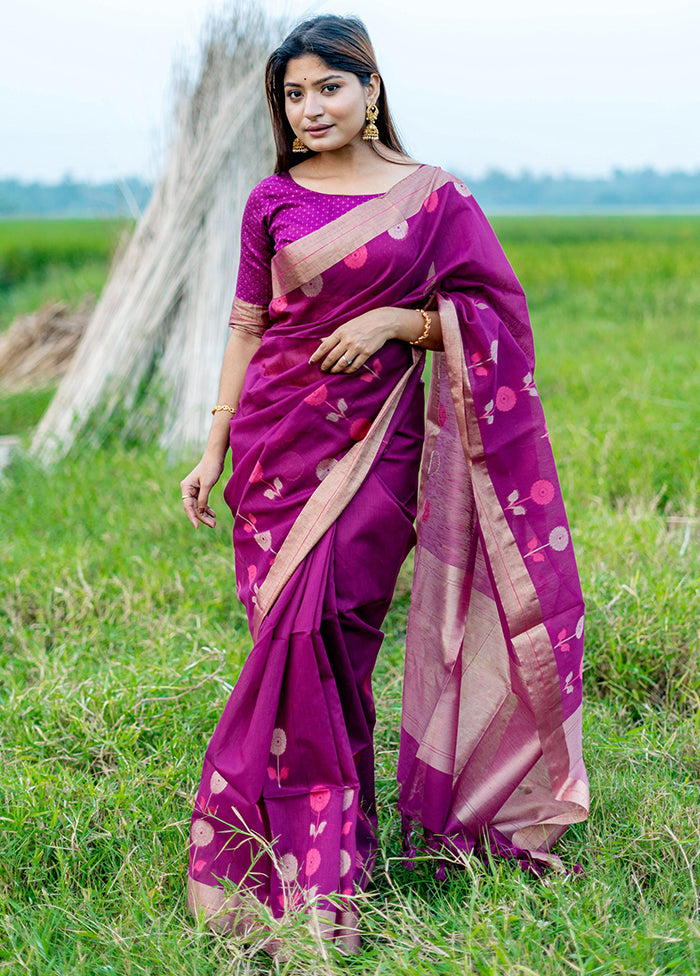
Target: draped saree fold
{"x": 324, "y": 495}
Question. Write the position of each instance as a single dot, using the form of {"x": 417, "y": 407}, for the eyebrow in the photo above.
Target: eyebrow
{"x": 321, "y": 81}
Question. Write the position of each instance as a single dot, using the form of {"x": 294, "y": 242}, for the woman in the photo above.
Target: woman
{"x": 354, "y": 260}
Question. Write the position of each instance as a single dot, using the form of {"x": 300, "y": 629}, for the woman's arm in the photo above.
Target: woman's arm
{"x": 409, "y": 324}
{"x": 196, "y": 486}
{"x": 361, "y": 337}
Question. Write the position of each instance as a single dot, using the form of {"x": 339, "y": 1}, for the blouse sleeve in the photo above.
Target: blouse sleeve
{"x": 254, "y": 285}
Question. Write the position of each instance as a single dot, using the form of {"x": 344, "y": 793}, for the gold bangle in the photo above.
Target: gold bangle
{"x": 426, "y": 330}
{"x": 224, "y": 406}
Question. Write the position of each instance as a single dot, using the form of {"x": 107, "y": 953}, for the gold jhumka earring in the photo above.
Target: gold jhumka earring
{"x": 370, "y": 133}
{"x": 298, "y": 146}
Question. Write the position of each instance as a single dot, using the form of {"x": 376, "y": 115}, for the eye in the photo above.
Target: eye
{"x": 292, "y": 95}
{"x": 330, "y": 88}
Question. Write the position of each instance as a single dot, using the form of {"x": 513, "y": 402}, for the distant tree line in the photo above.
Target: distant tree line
{"x": 69, "y": 198}
{"x": 496, "y": 190}
{"x": 623, "y": 188}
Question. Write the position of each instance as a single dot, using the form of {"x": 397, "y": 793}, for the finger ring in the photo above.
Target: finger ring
{"x": 348, "y": 361}
{"x": 185, "y": 497}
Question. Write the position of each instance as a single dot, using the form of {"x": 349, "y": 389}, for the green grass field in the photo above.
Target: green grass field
{"x": 49, "y": 260}
{"x": 121, "y": 637}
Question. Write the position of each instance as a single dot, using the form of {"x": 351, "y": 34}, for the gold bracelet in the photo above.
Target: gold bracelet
{"x": 426, "y": 330}
{"x": 224, "y": 406}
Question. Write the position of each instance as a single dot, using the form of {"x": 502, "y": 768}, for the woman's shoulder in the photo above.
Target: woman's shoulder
{"x": 439, "y": 177}
{"x": 443, "y": 177}
{"x": 270, "y": 187}
{"x": 266, "y": 199}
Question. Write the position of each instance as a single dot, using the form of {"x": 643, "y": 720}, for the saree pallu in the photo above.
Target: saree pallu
{"x": 323, "y": 490}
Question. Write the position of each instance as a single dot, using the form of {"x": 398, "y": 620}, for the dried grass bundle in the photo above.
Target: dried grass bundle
{"x": 159, "y": 327}
{"x": 37, "y": 349}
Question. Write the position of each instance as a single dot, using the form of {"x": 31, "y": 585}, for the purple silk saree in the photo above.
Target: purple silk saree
{"x": 323, "y": 490}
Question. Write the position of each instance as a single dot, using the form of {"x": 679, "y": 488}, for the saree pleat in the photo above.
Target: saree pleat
{"x": 288, "y": 780}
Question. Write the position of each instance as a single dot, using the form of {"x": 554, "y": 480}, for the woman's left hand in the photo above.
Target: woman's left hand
{"x": 348, "y": 348}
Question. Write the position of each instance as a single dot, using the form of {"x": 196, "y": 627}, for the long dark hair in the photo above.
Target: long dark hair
{"x": 340, "y": 42}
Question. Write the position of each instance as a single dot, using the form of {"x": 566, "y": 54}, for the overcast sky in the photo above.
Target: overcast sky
{"x": 538, "y": 84}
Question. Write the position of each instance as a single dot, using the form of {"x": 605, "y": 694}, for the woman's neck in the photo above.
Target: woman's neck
{"x": 351, "y": 169}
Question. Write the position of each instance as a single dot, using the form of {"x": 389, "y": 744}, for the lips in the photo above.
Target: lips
{"x": 318, "y": 130}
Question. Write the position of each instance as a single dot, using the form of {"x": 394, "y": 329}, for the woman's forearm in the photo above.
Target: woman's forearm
{"x": 410, "y": 324}
{"x": 239, "y": 351}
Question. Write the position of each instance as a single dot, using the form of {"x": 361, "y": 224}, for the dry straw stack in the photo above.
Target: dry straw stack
{"x": 36, "y": 349}
{"x": 154, "y": 345}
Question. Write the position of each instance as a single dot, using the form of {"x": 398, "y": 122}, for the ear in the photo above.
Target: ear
{"x": 373, "y": 88}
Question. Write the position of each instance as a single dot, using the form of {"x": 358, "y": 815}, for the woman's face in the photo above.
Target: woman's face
{"x": 326, "y": 107}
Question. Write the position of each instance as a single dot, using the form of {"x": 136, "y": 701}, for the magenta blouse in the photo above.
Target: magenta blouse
{"x": 279, "y": 211}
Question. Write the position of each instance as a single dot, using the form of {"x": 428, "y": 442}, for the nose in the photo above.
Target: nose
{"x": 312, "y": 107}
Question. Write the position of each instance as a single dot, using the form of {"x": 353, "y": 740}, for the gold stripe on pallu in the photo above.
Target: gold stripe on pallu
{"x": 328, "y": 501}
{"x": 252, "y": 319}
{"x": 313, "y": 254}
{"x": 521, "y": 605}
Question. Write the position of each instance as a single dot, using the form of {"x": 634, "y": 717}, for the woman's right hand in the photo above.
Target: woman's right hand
{"x": 195, "y": 490}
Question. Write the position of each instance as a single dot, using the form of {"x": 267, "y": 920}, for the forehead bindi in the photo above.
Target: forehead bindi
{"x": 310, "y": 71}
{"x": 314, "y": 82}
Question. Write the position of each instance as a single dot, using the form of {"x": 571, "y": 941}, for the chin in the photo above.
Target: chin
{"x": 331, "y": 144}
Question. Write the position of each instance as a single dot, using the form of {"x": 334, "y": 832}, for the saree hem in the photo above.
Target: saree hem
{"x": 229, "y": 912}
{"x": 450, "y": 850}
